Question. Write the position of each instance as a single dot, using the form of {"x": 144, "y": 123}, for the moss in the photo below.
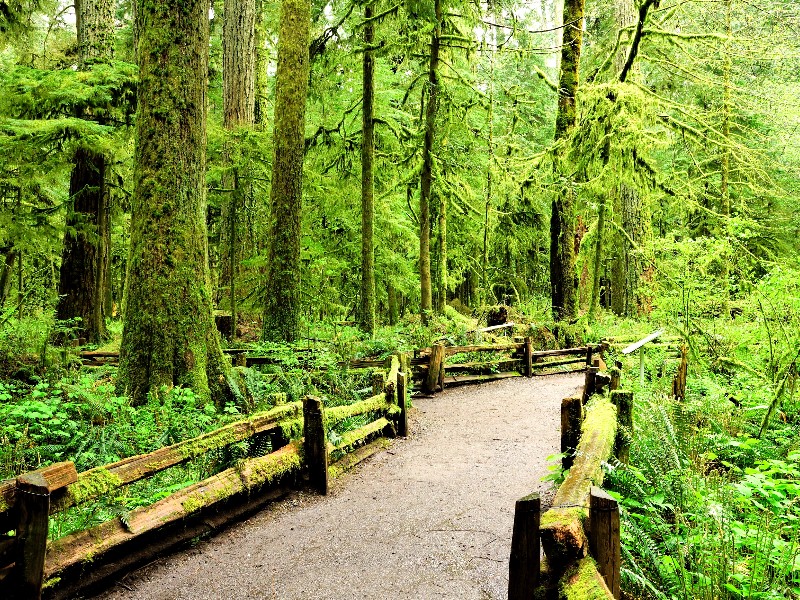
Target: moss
{"x": 583, "y": 582}
{"x": 349, "y": 461}
{"x": 52, "y": 582}
{"x": 268, "y": 469}
{"x": 278, "y": 398}
{"x": 352, "y": 438}
{"x": 209, "y": 441}
{"x": 93, "y": 484}
{"x": 555, "y": 516}
{"x": 372, "y": 404}
{"x": 292, "y": 429}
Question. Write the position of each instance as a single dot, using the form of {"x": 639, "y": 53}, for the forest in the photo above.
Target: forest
{"x": 316, "y": 182}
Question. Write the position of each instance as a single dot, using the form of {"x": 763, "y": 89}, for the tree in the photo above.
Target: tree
{"x": 169, "y": 337}
{"x": 426, "y": 175}
{"x": 563, "y": 283}
{"x": 282, "y": 303}
{"x": 239, "y": 102}
{"x": 83, "y": 278}
{"x": 367, "y": 312}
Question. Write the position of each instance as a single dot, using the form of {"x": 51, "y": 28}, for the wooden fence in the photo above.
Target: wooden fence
{"x": 297, "y": 432}
{"x": 580, "y": 532}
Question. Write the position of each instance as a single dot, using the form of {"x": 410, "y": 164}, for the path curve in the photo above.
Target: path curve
{"x": 430, "y": 517}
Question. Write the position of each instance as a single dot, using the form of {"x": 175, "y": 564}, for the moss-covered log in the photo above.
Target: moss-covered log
{"x": 169, "y": 337}
{"x": 563, "y": 535}
{"x": 358, "y": 437}
{"x": 348, "y": 461}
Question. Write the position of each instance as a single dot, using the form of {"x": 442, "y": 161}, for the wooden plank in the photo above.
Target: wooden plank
{"x": 528, "y": 357}
{"x": 402, "y": 400}
{"x": 524, "y": 564}
{"x": 623, "y": 400}
{"x": 8, "y": 544}
{"x": 33, "y": 502}
{"x": 450, "y": 350}
{"x": 558, "y": 363}
{"x": 350, "y": 460}
{"x": 452, "y": 381}
{"x": 315, "y": 444}
{"x": 636, "y": 345}
{"x": 101, "y": 480}
{"x": 571, "y": 419}
{"x": 579, "y": 351}
{"x": 357, "y": 437}
{"x": 604, "y": 540}
{"x": 477, "y": 364}
{"x": 337, "y": 414}
{"x": 435, "y": 369}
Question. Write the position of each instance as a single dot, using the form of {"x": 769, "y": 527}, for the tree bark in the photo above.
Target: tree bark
{"x": 85, "y": 256}
{"x": 6, "y": 274}
{"x": 426, "y": 176}
{"x": 367, "y": 309}
{"x": 169, "y": 337}
{"x": 282, "y": 307}
{"x": 563, "y": 282}
{"x": 441, "y": 272}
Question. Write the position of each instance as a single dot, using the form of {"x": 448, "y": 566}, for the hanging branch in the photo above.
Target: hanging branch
{"x": 637, "y": 37}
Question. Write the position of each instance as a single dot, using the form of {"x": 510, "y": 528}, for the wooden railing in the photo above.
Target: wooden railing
{"x": 297, "y": 432}
{"x": 583, "y": 562}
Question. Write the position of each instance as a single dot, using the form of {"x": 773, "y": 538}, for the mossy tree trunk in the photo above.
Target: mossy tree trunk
{"x": 563, "y": 281}
{"x": 282, "y": 303}
{"x": 724, "y": 189}
{"x": 6, "y": 272}
{"x": 367, "y": 308}
{"x": 426, "y": 175}
{"x": 85, "y": 257}
{"x": 169, "y": 337}
{"x": 238, "y": 83}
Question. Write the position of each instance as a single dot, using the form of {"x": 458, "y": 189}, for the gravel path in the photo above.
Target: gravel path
{"x": 430, "y": 517}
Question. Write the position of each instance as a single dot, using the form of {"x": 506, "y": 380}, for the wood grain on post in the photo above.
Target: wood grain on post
{"x": 571, "y": 418}
{"x": 435, "y": 369}
{"x": 33, "y": 505}
{"x": 315, "y": 444}
{"x": 402, "y": 421}
{"x": 604, "y": 541}
{"x": 590, "y": 383}
{"x": 528, "y": 357}
{"x": 523, "y": 567}
{"x": 623, "y": 400}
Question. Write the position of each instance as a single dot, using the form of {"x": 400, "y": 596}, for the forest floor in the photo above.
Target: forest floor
{"x": 430, "y": 517}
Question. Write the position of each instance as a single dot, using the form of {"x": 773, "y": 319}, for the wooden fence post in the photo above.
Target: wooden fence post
{"x": 435, "y": 375}
{"x": 589, "y": 351}
{"x": 590, "y": 382}
{"x": 378, "y": 382}
{"x": 623, "y": 400}
{"x": 571, "y": 417}
{"x": 523, "y": 567}
{"x": 604, "y": 541}
{"x": 315, "y": 443}
{"x": 33, "y": 506}
{"x": 402, "y": 421}
{"x": 528, "y": 357}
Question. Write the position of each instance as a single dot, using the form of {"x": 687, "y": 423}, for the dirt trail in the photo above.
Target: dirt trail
{"x": 430, "y": 517}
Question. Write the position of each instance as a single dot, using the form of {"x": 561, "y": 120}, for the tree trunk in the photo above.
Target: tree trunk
{"x": 441, "y": 272}
{"x": 169, "y": 337}
{"x": 6, "y": 275}
{"x": 426, "y": 176}
{"x": 563, "y": 281}
{"x": 391, "y": 292}
{"x": 238, "y": 83}
{"x": 367, "y": 312}
{"x": 282, "y": 308}
{"x": 725, "y": 195}
{"x": 85, "y": 257}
